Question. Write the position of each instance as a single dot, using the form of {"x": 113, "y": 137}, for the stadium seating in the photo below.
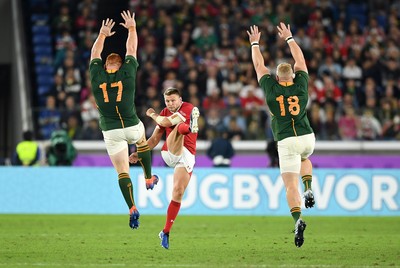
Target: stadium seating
{"x": 44, "y": 80}
{"x": 40, "y": 29}
{"x": 44, "y": 69}
{"x": 41, "y": 39}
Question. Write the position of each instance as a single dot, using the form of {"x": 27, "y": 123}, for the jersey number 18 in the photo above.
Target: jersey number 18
{"x": 294, "y": 106}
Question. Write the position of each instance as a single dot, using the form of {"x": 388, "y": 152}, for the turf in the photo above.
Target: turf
{"x": 197, "y": 241}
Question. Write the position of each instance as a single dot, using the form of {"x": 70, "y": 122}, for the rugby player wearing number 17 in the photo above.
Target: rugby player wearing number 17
{"x": 114, "y": 89}
{"x": 287, "y": 97}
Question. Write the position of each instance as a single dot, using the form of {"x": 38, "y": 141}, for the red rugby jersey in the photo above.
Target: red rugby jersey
{"x": 189, "y": 141}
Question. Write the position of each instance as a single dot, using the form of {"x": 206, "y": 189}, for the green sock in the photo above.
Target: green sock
{"x": 307, "y": 179}
{"x": 296, "y": 212}
{"x": 125, "y": 184}
{"x": 144, "y": 155}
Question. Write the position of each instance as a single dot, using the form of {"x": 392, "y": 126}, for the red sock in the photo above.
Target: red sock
{"x": 183, "y": 129}
{"x": 172, "y": 212}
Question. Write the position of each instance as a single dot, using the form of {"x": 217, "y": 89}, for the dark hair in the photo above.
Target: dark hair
{"x": 171, "y": 91}
{"x": 28, "y": 135}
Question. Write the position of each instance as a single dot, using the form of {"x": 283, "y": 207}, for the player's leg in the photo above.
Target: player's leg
{"x": 137, "y": 135}
{"x": 192, "y": 126}
{"x": 175, "y": 141}
{"x": 294, "y": 201}
{"x": 144, "y": 156}
{"x": 175, "y": 138}
{"x": 306, "y": 176}
{"x": 307, "y": 168}
{"x": 293, "y": 197}
{"x": 117, "y": 149}
{"x": 290, "y": 166}
{"x": 121, "y": 164}
{"x": 181, "y": 181}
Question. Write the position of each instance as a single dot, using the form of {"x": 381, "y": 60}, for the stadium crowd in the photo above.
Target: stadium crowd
{"x": 202, "y": 48}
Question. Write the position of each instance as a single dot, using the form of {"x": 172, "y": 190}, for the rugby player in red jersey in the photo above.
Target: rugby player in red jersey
{"x": 179, "y": 120}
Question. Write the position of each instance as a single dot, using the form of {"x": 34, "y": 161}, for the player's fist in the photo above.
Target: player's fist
{"x": 133, "y": 158}
{"x": 150, "y": 111}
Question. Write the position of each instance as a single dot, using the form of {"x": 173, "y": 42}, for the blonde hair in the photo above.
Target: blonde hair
{"x": 284, "y": 70}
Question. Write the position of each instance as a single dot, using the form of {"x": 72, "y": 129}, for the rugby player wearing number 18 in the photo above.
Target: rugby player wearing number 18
{"x": 287, "y": 97}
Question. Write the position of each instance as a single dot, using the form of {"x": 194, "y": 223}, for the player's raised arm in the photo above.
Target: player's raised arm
{"x": 299, "y": 61}
{"x": 258, "y": 59}
{"x": 98, "y": 45}
{"x": 132, "y": 40}
{"x": 164, "y": 121}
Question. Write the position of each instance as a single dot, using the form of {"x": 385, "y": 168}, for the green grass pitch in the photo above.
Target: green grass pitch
{"x": 197, "y": 241}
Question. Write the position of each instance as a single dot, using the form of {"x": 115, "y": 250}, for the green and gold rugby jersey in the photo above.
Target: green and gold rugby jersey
{"x": 115, "y": 93}
{"x": 287, "y": 104}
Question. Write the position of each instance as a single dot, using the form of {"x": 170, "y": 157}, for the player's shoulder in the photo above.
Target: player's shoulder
{"x": 129, "y": 59}
{"x": 96, "y": 62}
{"x": 301, "y": 73}
{"x": 165, "y": 112}
{"x": 187, "y": 105}
{"x": 186, "y": 109}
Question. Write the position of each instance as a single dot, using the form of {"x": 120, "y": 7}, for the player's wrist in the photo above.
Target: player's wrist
{"x": 102, "y": 35}
{"x": 132, "y": 28}
{"x": 254, "y": 44}
{"x": 289, "y": 39}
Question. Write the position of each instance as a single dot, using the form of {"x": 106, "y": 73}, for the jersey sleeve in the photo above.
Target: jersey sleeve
{"x": 164, "y": 112}
{"x": 130, "y": 65}
{"x": 266, "y": 82}
{"x": 185, "y": 111}
{"x": 301, "y": 78}
{"x": 95, "y": 67}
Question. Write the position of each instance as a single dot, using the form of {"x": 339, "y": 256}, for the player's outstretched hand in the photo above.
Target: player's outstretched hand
{"x": 106, "y": 27}
{"x": 254, "y": 34}
{"x": 284, "y": 31}
{"x": 129, "y": 19}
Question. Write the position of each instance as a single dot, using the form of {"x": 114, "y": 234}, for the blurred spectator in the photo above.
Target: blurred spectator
{"x": 92, "y": 131}
{"x": 232, "y": 85}
{"x": 71, "y": 108}
{"x": 371, "y": 128}
{"x": 73, "y": 127}
{"x": 349, "y": 124}
{"x": 221, "y": 150}
{"x": 213, "y": 100}
{"x": 352, "y": 71}
{"x": 331, "y": 123}
{"x": 49, "y": 118}
{"x": 317, "y": 120}
{"x": 89, "y": 110}
{"x": 27, "y": 152}
{"x": 235, "y": 132}
{"x": 63, "y": 20}
{"x": 234, "y": 114}
{"x": 251, "y": 102}
{"x": 330, "y": 68}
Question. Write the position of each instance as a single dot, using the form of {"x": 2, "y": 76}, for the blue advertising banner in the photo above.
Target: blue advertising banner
{"x": 211, "y": 191}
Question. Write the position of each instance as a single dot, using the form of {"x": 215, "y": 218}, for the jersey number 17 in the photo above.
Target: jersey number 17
{"x": 115, "y": 84}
